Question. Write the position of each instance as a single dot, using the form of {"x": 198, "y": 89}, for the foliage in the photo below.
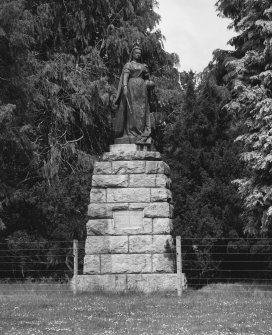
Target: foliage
{"x": 249, "y": 78}
{"x": 203, "y": 159}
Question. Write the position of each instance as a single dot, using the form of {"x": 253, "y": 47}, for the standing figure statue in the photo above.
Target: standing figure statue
{"x": 132, "y": 122}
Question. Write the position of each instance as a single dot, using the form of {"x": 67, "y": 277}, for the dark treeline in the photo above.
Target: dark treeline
{"x": 60, "y": 63}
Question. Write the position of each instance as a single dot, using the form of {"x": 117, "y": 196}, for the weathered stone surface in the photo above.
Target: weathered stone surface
{"x": 162, "y": 226}
{"x": 162, "y": 243}
{"x": 120, "y": 225}
{"x": 149, "y": 243}
{"x": 126, "y": 263}
{"x": 98, "y": 195}
{"x": 163, "y": 263}
{"x": 99, "y": 227}
{"x": 106, "y": 244}
{"x": 128, "y": 195}
{"x": 91, "y": 264}
{"x": 123, "y": 147}
{"x": 148, "y": 283}
{"x": 138, "y": 205}
{"x": 142, "y": 180}
{"x": 102, "y": 168}
{"x": 128, "y": 167}
{"x": 105, "y": 181}
{"x": 100, "y": 211}
{"x": 160, "y": 194}
{"x": 132, "y": 156}
{"x": 158, "y": 210}
{"x": 131, "y": 223}
{"x": 155, "y": 167}
{"x": 149, "y": 180}
{"x": 162, "y": 181}
{"x": 94, "y": 283}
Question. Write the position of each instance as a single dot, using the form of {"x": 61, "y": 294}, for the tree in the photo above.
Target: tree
{"x": 249, "y": 77}
{"x": 203, "y": 159}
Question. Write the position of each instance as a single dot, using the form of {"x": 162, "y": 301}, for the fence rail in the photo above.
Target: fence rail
{"x": 203, "y": 261}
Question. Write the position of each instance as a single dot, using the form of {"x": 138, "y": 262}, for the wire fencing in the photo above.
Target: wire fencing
{"x": 50, "y": 265}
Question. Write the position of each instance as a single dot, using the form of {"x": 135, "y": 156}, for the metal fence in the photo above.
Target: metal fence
{"x": 203, "y": 261}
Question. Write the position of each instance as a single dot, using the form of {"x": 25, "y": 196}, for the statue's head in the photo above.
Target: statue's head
{"x": 136, "y": 52}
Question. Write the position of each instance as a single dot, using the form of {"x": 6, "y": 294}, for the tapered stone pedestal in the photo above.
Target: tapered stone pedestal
{"x": 128, "y": 245}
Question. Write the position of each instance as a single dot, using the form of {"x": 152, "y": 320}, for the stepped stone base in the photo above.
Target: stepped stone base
{"x": 146, "y": 283}
{"x": 129, "y": 244}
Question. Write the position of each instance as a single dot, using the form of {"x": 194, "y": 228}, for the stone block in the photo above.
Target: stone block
{"x": 128, "y": 195}
{"x": 158, "y": 210}
{"x": 98, "y": 195}
{"x": 142, "y": 180}
{"x": 138, "y": 205}
{"x": 148, "y": 283}
{"x": 106, "y": 244}
{"x": 132, "y": 156}
{"x": 128, "y": 167}
{"x": 100, "y": 211}
{"x": 91, "y": 264}
{"x": 105, "y": 181}
{"x": 162, "y": 226}
{"x": 107, "y": 283}
{"x": 99, "y": 227}
{"x": 163, "y": 263}
{"x": 133, "y": 224}
{"x": 102, "y": 168}
{"x": 155, "y": 167}
{"x": 149, "y": 243}
{"x": 123, "y": 147}
{"x": 126, "y": 263}
{"x": 162, "y": 181}
{"x": 161, "y": 194}
{"x": 130, "y": 223}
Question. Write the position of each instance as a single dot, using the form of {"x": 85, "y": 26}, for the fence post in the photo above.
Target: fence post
{"x": 75, "y": 254}
{"x": 179, "y": 265}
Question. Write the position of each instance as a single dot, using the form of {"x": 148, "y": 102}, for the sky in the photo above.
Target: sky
{"x": 193, "y": 30}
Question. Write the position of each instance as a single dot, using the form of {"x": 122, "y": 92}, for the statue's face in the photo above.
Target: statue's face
{"x": 137, "y": 53}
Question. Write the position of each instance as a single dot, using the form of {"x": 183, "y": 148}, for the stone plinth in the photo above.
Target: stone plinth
{"x": 128, "y": 245}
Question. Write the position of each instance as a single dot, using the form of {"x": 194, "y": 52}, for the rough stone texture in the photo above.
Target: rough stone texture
{"x": 100, "y": 227}
{"x": 148, "y": 283}
{"x": 149, "y": 244}
{"x": 128, "y": 244}
{"x": 128, "y": 195}
{"x": 162, "y": 226}
{"x": 105, "y": 181}
{"x": 132, "y": 156}
{"x": 123, "y": 147}
{"x": 158, "y": 210}
{"x": 106, "y": 245}
{"x": 108, "y": 283}
{"x": 149, "y": 180}
{"x": 91, "y": 264}
{"x": 161, "y": 194}
{"x": 100, "y": 211}
{"x": 163, "y": 263}
{"x": 153, "y": 167}
{"x": 138, "y": 205}
{"x": 98, "y": 195}
{"x": 102, "y": 168}
{"x": 128, "y": 167}
{"x": 126, "y": 263}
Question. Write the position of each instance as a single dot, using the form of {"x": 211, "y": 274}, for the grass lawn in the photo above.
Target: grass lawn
{"x": 214, "y": 310}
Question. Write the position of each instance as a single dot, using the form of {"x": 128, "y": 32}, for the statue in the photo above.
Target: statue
{"x": 132, "y": 122}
